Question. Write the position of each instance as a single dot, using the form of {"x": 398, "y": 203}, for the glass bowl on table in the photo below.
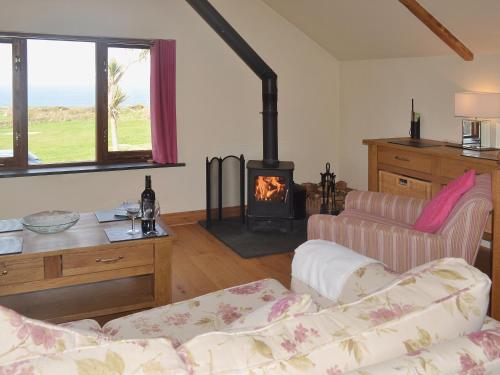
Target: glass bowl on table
{"x": 49, "y": 222}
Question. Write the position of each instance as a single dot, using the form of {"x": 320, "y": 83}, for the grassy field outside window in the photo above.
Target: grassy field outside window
{"x": 75, "y": 130}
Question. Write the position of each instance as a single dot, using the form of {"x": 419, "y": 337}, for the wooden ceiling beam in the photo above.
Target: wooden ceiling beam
{"x": 437, "y": 28}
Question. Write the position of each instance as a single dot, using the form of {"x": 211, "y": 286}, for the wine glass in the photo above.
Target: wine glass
{"x": 133, "y": 209}
{"x": 156, "y": 216}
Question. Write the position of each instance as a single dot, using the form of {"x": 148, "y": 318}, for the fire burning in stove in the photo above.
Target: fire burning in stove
{"x": 270, "y": 188}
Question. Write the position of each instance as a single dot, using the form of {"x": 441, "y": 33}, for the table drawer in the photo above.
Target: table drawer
{"x": 21, "y": 271}
{"x": 453, "y": 168}
{"x": 405, "y": 159}
{"x": 401, "y": 185}
{"x": 107, "y": 259}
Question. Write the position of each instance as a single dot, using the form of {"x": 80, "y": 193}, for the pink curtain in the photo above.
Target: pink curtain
{"x": 163, "y": 115}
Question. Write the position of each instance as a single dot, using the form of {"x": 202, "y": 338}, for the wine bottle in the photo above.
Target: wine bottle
{"x": 148, "y": 208}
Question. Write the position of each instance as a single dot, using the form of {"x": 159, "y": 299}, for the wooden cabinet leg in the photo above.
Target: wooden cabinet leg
{"x": 163, "y": 273}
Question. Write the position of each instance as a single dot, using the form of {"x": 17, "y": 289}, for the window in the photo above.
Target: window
{"x": 61, "y": 101}
{"x": 70, "y": 100}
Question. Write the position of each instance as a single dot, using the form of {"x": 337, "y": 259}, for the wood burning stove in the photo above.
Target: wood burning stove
{"x": 270, "y": 195}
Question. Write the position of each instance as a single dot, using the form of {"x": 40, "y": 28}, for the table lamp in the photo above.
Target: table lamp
{"x": 476, "y": 110}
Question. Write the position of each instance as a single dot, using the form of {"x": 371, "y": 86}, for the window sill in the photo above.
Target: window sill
{"x": 83, "y": 169}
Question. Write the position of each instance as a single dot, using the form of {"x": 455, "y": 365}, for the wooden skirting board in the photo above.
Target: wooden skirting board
{"x": 192, "y": 217}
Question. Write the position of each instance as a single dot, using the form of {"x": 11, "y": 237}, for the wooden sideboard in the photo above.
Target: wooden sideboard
{"x": 438, "y": 165}
{"x": 79, "y": 274}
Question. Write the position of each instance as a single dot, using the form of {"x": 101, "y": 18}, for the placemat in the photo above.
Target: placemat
{"x": 10, "y": 225}
{"x": 11, "y": 245}
{"x": 120, "y": 234}
{"x": 109, "y": 216}
{"x": 414, "y": 143}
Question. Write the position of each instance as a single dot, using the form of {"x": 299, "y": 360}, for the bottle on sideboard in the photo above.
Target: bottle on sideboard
{"x": 414, "y": 123}
{"x": 148, "y": 208}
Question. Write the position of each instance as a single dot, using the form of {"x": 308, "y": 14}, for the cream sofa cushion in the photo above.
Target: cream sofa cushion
{"x": 181, "y": 321}
{"x": 477, "y": 353}
{"x": 134, "y": 357}
{"x": 286, "y": 306}
{"x": 362, "y": 282}
{"x": 84, "y": 326}
{"x": 22, "y": 337}
{"x": 437, "y": 301}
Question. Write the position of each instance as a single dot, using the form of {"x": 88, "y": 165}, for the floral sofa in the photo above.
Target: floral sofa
{"x": 429, "y": 320}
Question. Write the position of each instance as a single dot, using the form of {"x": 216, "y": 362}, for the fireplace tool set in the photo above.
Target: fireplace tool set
{"x": 328, "y": 193}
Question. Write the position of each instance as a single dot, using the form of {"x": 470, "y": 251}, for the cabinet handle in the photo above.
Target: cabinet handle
{"x": 109, "y": 260}
{"x": 400, "y": 158}
{"x": 4, "y": 272}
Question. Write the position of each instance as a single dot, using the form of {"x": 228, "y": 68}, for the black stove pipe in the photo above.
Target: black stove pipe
{"x": 258, "y": 66}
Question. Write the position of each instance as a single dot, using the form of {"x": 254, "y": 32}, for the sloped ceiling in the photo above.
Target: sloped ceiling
{"x": 371, "y": 29}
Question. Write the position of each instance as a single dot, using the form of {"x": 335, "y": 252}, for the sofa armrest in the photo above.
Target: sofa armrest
{"x": 397, "y": 247}
{"x": 394, "y": 207}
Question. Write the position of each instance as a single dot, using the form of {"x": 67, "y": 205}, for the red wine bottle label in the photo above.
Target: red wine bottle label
{"x": 148, "y": 208}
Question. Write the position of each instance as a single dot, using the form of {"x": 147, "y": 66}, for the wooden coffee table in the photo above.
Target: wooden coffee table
{"x": 79, "y": 274}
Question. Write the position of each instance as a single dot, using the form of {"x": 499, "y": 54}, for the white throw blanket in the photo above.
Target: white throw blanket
{"x": 325, "y": 266}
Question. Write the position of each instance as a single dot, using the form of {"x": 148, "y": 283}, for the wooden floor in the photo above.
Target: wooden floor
{"x": 202, "y": 264}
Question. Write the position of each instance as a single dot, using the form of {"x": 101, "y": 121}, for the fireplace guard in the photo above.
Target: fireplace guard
{"x": 208, "y": 167}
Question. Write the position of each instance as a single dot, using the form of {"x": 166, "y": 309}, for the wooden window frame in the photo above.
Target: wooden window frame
{"x": 20, "y": 101}
{"x": 102, "y": 107}
{"x": 19, "y": 106}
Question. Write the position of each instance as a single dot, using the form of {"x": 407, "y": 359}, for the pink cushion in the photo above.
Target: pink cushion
{"x": 437, "y": 210}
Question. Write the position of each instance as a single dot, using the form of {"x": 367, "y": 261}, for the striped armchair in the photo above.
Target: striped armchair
{"x": 379, "y": 226}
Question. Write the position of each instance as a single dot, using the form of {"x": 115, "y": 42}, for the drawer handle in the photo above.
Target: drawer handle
{"x": 109, "y": 260}
{"x": 4, "y": 272}
{"x": 400, "y": 158}
{"x": 403, "y": 181}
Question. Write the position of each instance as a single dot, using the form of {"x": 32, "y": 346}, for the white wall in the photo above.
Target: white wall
{"x": 376, "y": 101}
{"x": 218, "y": 97}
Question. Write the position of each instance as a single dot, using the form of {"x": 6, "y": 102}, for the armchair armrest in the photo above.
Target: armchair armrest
{"x": 402, "y": 209}
{"x": 399, "y": 248}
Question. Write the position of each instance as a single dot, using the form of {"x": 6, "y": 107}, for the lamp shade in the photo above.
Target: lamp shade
{"x": 477, "y": 104}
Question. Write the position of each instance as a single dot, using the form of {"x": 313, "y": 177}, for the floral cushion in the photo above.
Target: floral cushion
{"x": 364, "y": 281}
{"x": 183, "y": 320}
{"x": 437, "y": 301}
{"x": 139, "y": 357}
{"x": 490, "y": 323}
{"x": 477, "y": 353}
{"x": 22, "y": 337}
{"x": 84, "y": 326}
{"x": 288, "y": 305}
